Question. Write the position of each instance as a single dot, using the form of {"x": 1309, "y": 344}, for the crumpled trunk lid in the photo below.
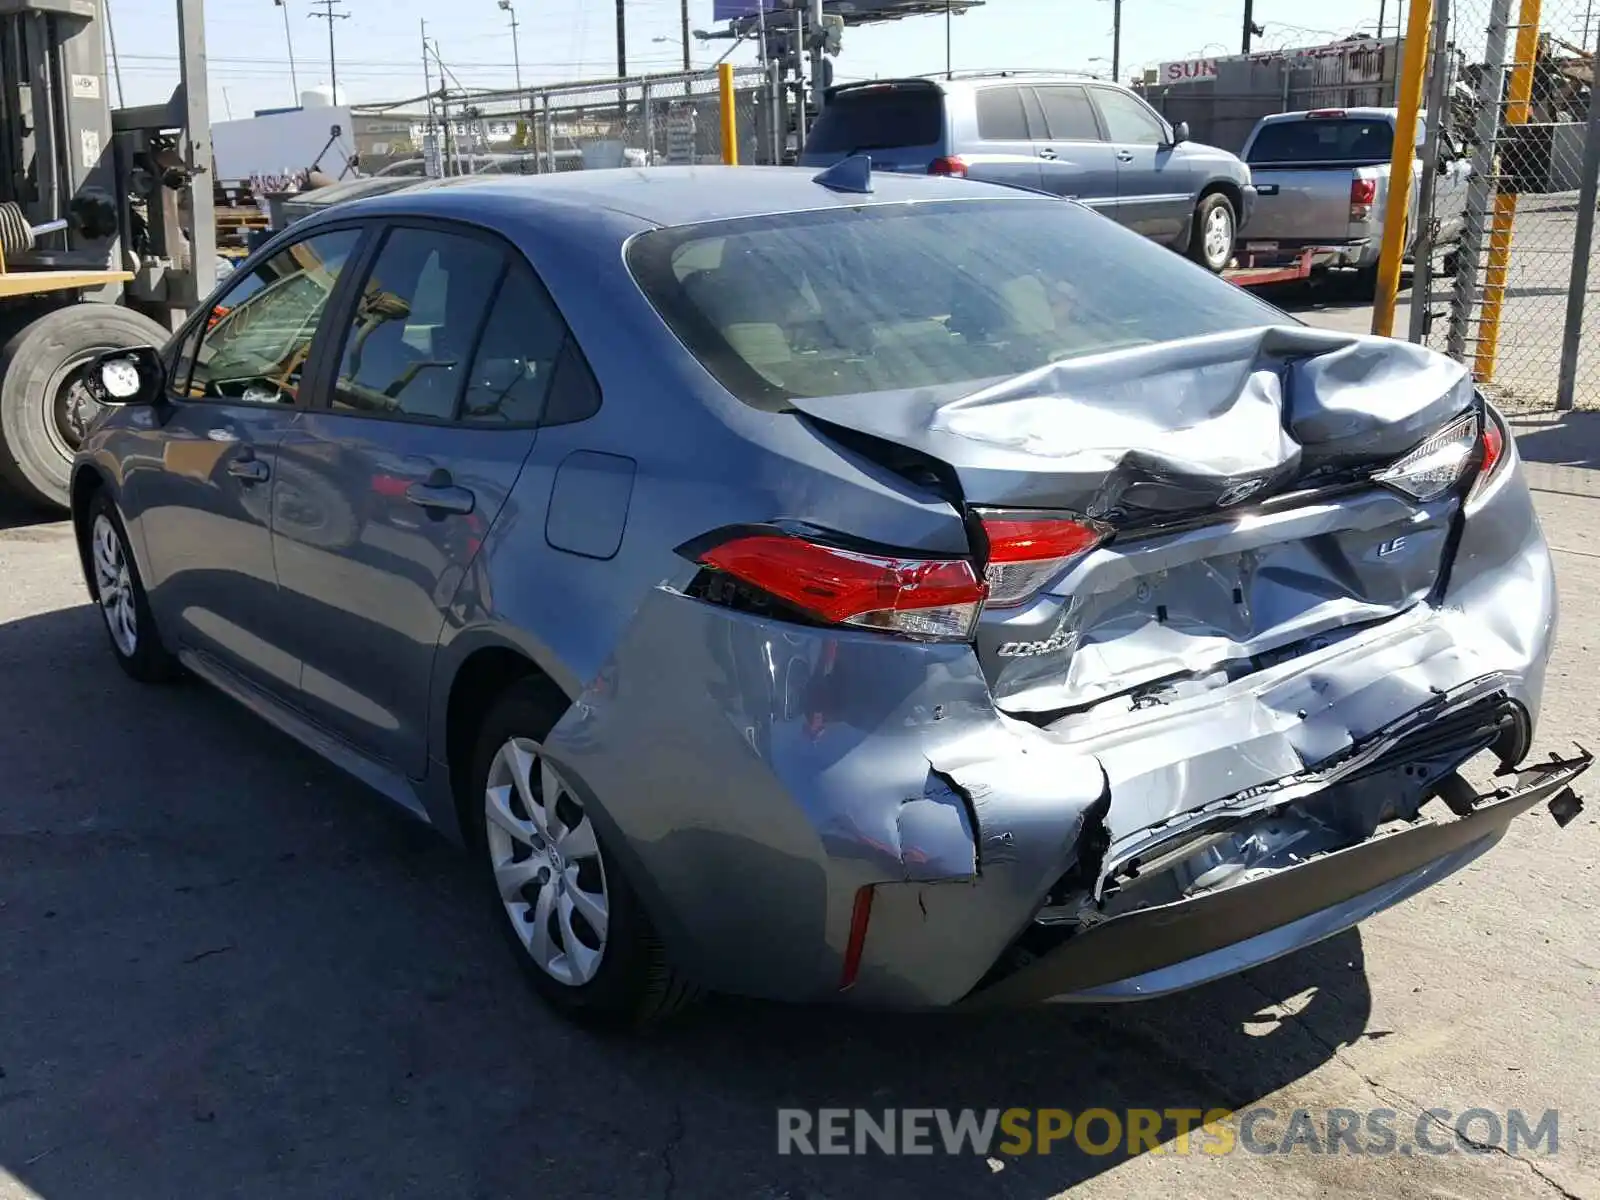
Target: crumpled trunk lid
{"x": 1233, "y": 470}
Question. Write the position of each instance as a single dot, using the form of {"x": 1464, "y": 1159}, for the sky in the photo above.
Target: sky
{"x": 379, "y": 49}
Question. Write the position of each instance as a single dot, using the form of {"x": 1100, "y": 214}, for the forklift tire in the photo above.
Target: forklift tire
{"x": 43, "y": 412}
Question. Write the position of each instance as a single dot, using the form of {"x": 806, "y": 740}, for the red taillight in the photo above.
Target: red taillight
{"x": 860, "y": 917}
{"x": 952, "y": 164}
{"x": 1363, "y": 191}
{"x": 1492, "y": 448}
{"x": 1026, "y": 550}
{"x": 936, "y": 599}
{"x": 1321, "y": 114}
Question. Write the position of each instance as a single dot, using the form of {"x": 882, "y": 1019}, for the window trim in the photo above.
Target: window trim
{"x": 1096, "y": 90}
{"x": 1103, "y": 133}
{"x": 177, "y": 389}
{"x": 344, "y": 297}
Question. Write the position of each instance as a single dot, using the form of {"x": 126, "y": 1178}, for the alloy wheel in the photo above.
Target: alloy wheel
{"x": 1218, "y": 234}
{"x": 113, "y": 585}
{"x": 546, "y": 863}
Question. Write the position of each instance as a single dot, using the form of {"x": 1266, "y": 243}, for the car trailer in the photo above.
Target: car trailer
{"x": 1246, "y": 274}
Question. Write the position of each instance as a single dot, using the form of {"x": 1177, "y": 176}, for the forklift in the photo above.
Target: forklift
{"x": 107, "y": 235}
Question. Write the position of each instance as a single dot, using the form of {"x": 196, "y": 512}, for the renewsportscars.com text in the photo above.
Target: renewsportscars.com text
{"x": 1215, "y": 1132}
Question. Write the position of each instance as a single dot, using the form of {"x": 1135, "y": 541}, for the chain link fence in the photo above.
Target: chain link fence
{"x": 643, "y": 121}
{"x": 1510, "y": 82}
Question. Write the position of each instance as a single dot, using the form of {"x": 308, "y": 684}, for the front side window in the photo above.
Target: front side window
{"x": 895, "y": 296}
{"x": 256, "y": 340}
{"x": 1128, "y": 121}
{"x": 408, "y": 345}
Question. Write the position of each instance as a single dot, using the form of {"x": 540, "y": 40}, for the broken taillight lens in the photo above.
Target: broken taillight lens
{"x": 1028, "y": 549}
{"x": 1437, "y": 465}
{"x": 1494, "y": 452}
{"x": 931, "y": 599}
{"x": 1363, "y": 193}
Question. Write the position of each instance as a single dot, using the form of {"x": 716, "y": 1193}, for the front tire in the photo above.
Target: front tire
{"x": 1211, "y": 238}
{"x": 119, "y": 593}
{"x": 576, "y": 928}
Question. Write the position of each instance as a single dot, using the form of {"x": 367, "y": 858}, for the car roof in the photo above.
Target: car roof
{"x": 665, "y": 196}
{"x": 971, "y": 80}
{"x": 1362, "y": 112}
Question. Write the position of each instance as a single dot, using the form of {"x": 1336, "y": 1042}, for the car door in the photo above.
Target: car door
{"x": 434, "y": 387}
{"x": 1154, "y": 188}
{"x": 1074, "y": 157}
{"x": 1004, "y": 150}
{"x": 235, "y": 391}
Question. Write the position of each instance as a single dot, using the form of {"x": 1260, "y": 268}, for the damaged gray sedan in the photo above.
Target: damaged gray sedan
{"x": 894, "y": 590}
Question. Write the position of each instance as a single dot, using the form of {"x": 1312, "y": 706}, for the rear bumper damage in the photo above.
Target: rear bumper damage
{"x": 1166, "y": 948}
{"x": 816, "y": 813}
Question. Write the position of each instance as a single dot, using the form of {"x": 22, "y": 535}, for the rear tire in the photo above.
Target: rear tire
{"x": 1212, "y": 234}
{"x": 42, "y": 408}
{"x": 577, "y": 930}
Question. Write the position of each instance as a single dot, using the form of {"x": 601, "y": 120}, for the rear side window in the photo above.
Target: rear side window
{"x": 517, "y": 356}
{"x": 1068, "y": 114}
{"x": 1323, "y": 139}
{"x": 846, "y": 301}
{"x": 1000, "y": 115}
{"x": 406, "y": 350}
{"x": 879, "y": 118}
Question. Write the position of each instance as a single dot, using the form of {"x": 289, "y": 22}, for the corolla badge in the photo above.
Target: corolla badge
{"x": 1240, "y": 491}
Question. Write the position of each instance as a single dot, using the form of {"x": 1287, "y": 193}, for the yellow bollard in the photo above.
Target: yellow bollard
{"x": 730, "y": 126}
{"x": 1398, "y": 203}
{"x": 1505, "y": 203}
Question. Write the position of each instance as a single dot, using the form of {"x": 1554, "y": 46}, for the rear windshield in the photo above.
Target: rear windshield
{"x": 1324, "y": 139}
{"x": 882, "y": 297}
{"x": 878, "y": 119}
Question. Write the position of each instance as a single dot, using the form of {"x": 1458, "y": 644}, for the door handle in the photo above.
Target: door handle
{"x": 440, "y": 495}
{"x": 250, "y": 469}
{"x": 1047, "y": 153}
{"x": 1124, "y": 156}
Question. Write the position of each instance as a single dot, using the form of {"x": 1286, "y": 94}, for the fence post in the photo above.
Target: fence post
{"x": 1398, "y": 206}
{"x": 1583, "y": 238}
{"x": 1485, "y": 133}
{"x": 730, "y": 125}
{"x": 649, "y": 125}
{"x": 1505, "y": 201}
{"x": 1422, "y": 258}
{"x": 549, "y": 132}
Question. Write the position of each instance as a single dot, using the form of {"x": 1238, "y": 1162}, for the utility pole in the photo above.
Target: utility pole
{"x": 288, "y": 40}
{"x": 683, "y": 18}
{"x": 622, "y": 40}
{"x": 948, "y": 71}
{"x": 516, "y": 54}
{"x": 330, "y": 14}
{"x": 1251, "y": 29}
{"x": 1116, "y": 39}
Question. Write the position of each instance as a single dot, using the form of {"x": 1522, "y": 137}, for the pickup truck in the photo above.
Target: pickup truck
{"x": 1322, "y": 181}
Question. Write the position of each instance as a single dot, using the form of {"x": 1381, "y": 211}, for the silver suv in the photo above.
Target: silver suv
{"x": 1066, "y": 134}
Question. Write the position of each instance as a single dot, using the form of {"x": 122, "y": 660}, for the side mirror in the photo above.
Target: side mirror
{"x": 1180, "y": 133}
{"x": 120, "y": 378}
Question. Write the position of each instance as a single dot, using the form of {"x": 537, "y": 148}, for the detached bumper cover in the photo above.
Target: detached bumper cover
{"x": 1221, "y": 932}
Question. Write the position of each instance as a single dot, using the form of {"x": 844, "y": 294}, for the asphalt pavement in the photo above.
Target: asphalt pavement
{"x": 227, "y": 970}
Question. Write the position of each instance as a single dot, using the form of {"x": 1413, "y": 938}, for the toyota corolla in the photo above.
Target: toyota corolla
{"x": 900, "y": 591}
